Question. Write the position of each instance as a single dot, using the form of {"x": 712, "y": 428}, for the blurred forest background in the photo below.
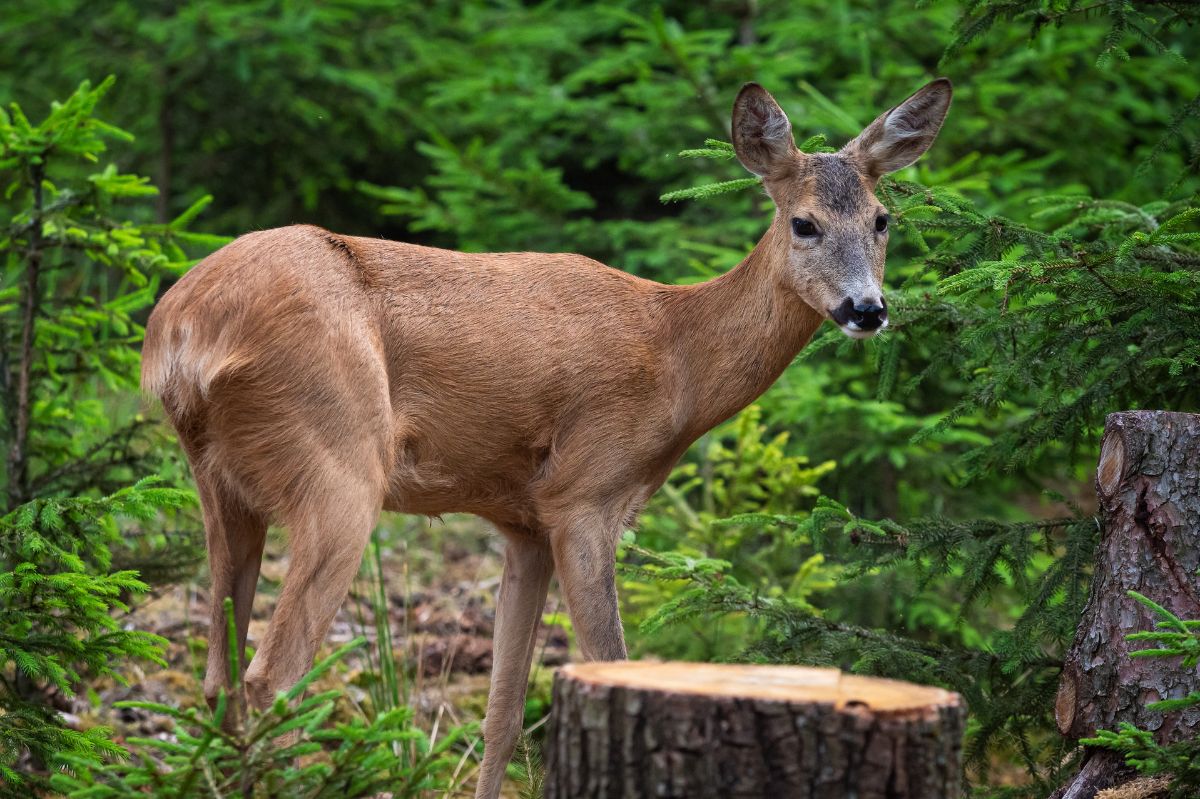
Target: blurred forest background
{"x": 917, "y": 506}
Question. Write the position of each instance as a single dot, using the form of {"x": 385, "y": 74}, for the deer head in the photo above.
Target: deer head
{"x": 829, "y": 230}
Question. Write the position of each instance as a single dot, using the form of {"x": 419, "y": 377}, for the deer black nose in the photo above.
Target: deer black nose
{"x": 868, "y": 316}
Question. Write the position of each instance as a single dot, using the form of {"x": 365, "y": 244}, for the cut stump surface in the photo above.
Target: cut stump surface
{"x": 639, "y": 729}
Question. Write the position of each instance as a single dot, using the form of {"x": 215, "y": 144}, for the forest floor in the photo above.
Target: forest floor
{"x": 440, "y": 579}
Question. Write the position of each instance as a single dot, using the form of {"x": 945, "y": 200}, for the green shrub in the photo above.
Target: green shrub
{"x": 294, "y": 750}
{"x": 57, "y": 595}
{"x": 736, "y": 469}
{"x": 75, "y": 272}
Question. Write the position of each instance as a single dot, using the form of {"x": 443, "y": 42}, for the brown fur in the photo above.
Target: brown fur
{"x": 316, "y": 379}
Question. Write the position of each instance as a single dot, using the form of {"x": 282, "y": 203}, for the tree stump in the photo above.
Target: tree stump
{"x": 637, "y": 729}
{"x": 1148, "y": 483}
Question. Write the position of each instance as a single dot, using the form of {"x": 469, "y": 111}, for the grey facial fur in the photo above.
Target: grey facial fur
{"x": 837, "y": 184}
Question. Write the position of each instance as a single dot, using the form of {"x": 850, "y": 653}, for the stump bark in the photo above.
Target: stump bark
{"x": 1148, "y": 482}
{"x": 636, "y": 729}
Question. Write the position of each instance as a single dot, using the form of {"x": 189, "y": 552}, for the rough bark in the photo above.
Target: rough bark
{"x": 1101, "y": 770}
{"x": 1148, "y": 482}
{"x": 700, "y": 730}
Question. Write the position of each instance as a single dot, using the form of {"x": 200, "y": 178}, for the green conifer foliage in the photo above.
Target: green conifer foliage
{"x": 74, "y": 274}
{"x": 327, "y": 759}
{"x": 1043, "y": 322}
{"x": 58, "y": 593}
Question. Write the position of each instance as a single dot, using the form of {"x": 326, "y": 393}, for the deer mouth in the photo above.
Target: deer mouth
{"x": 858, "y": 333}
{"x": 860, "y": 320}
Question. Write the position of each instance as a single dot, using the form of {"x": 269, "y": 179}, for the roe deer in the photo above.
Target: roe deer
{"x": 315, "y": 379}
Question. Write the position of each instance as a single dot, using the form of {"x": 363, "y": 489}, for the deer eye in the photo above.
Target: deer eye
{"x": 881, "y": 223}
{"x": 802, "y": 227}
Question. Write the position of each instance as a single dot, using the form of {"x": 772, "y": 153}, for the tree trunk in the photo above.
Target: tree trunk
{"x": 1148, "y": 483}
{"x": 636, "y": 729}
{"x": 21, "y": 405}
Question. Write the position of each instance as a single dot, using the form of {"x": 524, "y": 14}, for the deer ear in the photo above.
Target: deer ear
{"x": 762, "y": 135}
{"x": 900, "y": 136}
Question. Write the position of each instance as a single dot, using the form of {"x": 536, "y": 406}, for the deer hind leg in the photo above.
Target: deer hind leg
{"x": 528, "y": 566}
{"x": 235, "y": 535}
{"x": 329, "y": 531}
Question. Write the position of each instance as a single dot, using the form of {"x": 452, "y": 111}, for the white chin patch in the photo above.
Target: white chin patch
{"x": 854, "y": 331}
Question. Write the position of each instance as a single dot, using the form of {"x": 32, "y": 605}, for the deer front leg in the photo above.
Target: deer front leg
{"x": 585, "y": 558}
{"x": 527, "y": 569}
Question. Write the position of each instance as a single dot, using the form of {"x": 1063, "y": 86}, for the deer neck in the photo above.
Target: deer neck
{"x": 734, "y": 335}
